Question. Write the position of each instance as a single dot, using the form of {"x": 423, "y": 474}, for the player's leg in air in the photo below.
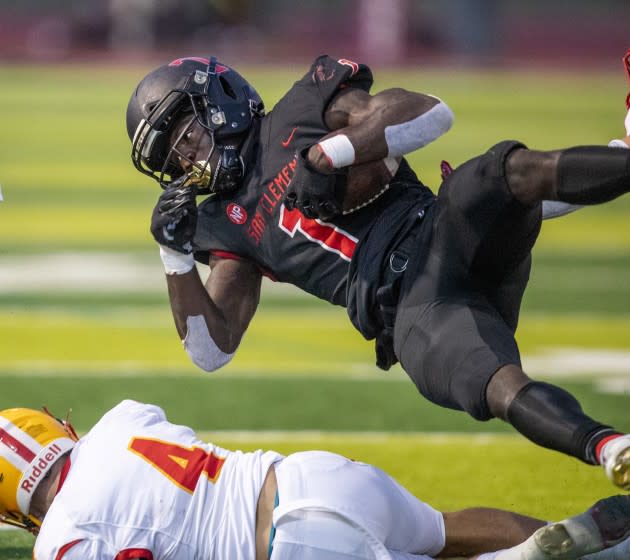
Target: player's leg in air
{"x": 584, "y": 175}
{"x": 459, "y": 308}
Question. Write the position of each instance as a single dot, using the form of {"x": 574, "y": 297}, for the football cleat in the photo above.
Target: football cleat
{"x": 616, "y": 461}
{"x": 604, "y": 525}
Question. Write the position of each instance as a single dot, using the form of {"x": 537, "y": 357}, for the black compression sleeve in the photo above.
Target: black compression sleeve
{"x": 593, "y": 174}
{"x": 553, "y": 418}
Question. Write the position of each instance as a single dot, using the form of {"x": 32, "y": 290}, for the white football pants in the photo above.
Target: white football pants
{"x": 333, "y": 508}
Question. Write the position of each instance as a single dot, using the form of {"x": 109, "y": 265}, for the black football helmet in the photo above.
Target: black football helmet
{"x": 203, "y": 91}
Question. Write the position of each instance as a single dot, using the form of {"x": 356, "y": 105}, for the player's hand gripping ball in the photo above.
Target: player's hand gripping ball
{"x": 174, "y": 217}
{"x": 313, "y": 193}
{"x": 347, "y": 190}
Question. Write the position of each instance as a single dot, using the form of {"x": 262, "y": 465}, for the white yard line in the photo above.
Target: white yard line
{"x": 118, "y": 273}
{"x": 573, "y": 362}
{"x": 611, "y": 369}
{"x": 80, "y": 272}
{"x": 94, "y": 272}
{"x": 480, "y": 438}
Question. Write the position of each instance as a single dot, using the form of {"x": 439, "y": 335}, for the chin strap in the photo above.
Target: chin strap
{"x": 230, "y": 170}
{"x": 21, "y": 522}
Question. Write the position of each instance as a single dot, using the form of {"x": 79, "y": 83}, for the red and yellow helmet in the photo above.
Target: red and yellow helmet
{"x": 31, "y": 442}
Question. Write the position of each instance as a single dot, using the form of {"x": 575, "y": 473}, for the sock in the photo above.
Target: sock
{"x": 592, "y": 174}
{"x": 599, "y": 441}
{"x": 527, "y": 549}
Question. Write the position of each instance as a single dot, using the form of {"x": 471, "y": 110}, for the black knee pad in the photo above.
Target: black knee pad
{"x": 592, "y": 174}
{"x": 553, "y": 418}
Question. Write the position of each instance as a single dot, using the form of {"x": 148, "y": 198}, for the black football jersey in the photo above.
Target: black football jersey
{"x": 253, "y": 224}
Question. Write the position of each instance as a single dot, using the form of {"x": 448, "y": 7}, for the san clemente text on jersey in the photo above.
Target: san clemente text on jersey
{"x": 41, "y": 467}
{"x": 271, "y": 196}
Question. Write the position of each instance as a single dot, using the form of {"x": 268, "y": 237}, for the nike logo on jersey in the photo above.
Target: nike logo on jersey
{"x": 285, "y": 143}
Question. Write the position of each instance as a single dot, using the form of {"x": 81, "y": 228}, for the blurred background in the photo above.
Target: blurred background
{"x": 84, "y": 317}
{"x": 389, "y": 31}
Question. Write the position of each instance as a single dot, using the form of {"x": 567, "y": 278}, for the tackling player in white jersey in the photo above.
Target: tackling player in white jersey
{"x": 138, "y": 487}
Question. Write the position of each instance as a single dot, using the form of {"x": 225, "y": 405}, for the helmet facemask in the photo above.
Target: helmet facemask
{"x": 221, "y": 169}
{"x": 206, "y": 99}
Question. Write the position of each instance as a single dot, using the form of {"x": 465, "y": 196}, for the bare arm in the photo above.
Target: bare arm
{"x": 381, "y": 125}
{"x": 227, "y": 302}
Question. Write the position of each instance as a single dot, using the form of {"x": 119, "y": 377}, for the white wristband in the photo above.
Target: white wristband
{"x": 338, "y": 150}
{"x": 176, "y": 262}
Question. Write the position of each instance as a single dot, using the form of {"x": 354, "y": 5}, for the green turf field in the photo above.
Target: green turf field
{"x": 70, "y": 191}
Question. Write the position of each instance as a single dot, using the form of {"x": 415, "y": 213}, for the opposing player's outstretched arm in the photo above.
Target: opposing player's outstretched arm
{"x": 212, "y": 319}
{"x": 370, "y": 128}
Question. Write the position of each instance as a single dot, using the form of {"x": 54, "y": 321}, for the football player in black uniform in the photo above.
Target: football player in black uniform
{"x": 317, "y": 193}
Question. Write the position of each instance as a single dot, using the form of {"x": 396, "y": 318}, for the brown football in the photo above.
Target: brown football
{"x": 366, "y": 183}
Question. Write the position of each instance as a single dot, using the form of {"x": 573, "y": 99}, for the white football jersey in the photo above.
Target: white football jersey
{"x": 141, "y": 487}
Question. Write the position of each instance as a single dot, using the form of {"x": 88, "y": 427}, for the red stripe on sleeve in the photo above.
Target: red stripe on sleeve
{"x": 65, "y": 548}
{"x": 137, "y": 553}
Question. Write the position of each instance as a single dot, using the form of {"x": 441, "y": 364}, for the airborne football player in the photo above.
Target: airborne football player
{"x": 317, "y": 193}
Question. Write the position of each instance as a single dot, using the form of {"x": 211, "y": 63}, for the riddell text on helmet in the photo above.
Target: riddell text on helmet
{"x": 39, "y": 469}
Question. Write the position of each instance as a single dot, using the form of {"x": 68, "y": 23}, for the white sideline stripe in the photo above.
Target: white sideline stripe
{"x": 563, "y": 362}
{"x": 618, "y": 386}
{"x": 479, "y": 438}
{"x": 90, "y": 272}
{"x": 82, "y": 272}
{"x": 608, "y": 367}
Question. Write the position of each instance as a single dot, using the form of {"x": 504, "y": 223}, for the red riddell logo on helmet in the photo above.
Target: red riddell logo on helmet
{"x": 219, "y": 68}
{"x": 40, "y": 468}
{"x": 236, "y": 213}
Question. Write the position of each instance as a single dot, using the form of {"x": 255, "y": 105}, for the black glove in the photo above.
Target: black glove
{"x": 311, "y": 192}
{"x": 174, "y": 217}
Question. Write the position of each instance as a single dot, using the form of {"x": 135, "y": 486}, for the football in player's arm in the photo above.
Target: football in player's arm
{"x": 318, "y": 193}
{"x": 138, "y": 487}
